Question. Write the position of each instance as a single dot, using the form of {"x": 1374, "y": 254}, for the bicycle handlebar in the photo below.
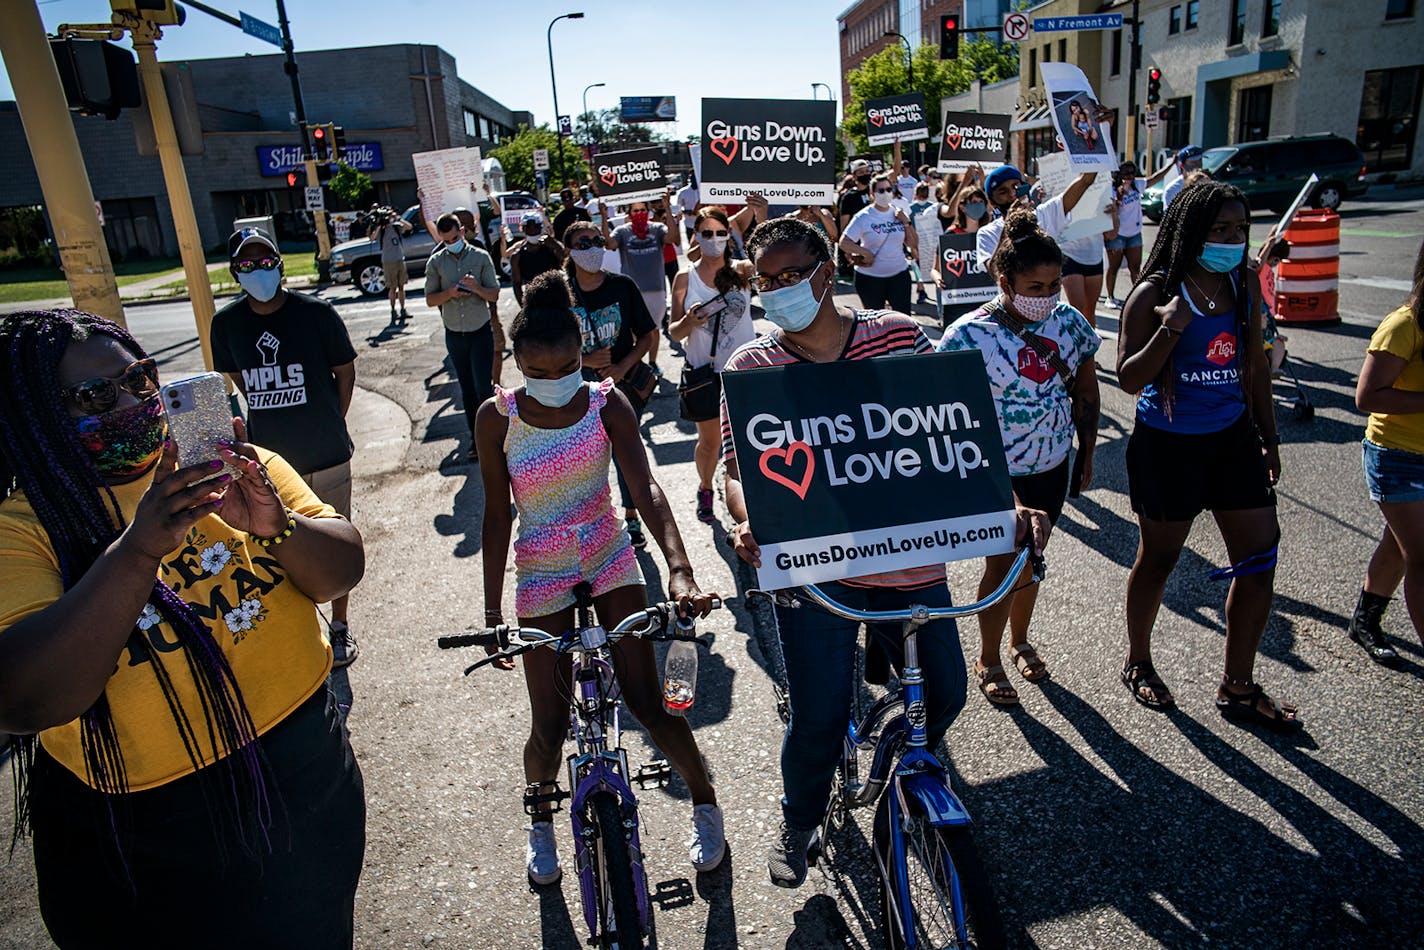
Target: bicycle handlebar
{"x": 922, "y": 614}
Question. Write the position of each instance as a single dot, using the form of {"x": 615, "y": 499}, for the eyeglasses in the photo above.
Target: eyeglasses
{"x": 98, "y": 395}
{"x": 583, "y": 244}
{"x": 787, "y": 278}
{"x": 712, "y": 234}
{"x": 262, "y": 263}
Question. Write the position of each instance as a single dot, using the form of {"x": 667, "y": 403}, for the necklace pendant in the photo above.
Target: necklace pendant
{"x": 1211, "y": 304}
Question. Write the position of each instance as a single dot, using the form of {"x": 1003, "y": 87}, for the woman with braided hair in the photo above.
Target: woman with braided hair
{"x": 182, "y": 766}
{"x": 1205, "y": 438}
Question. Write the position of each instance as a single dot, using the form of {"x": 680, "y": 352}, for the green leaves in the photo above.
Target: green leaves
{"x": 516, "y": 156}
{"x": 350, "y": 184}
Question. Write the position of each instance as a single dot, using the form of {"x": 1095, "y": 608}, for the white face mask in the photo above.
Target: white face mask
{"x": 882, "y": 199}
{"x": 589, "y": 259}
{"x": 713, "y": 246}
{"x": 1035, "y": 309}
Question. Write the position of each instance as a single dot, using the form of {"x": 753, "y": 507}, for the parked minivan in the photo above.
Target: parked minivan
{"x": 1271, "y": 172}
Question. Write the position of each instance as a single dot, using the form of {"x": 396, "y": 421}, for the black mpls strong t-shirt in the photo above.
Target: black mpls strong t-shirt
{"x": 852, "y": 201}
{"x": 285, "y": 361}
{"x": 612, "y": 314}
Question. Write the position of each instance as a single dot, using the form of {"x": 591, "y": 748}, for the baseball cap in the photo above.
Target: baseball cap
{"x": 1190, "y": 153}
{"x": 1000, "y": 175}
{"x": 858, "y": 165}
{"x": 531, "y": 216}
{"x": 245, "y": 236}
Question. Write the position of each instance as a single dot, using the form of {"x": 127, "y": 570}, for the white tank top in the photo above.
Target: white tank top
{"x": 736, "y": 326}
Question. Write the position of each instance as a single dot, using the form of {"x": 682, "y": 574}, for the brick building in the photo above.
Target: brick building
{"x": 392, "y": 101}
{"x": 863, "y": 26}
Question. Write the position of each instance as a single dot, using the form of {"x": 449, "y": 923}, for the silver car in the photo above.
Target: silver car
{"x": 359, "y": 261}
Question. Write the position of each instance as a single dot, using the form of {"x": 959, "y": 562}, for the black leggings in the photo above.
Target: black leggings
{"x": 174, "y": 889}
{"x": 877, "y": 292}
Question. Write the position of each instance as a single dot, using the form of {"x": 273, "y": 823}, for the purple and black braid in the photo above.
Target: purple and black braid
{"x": 40, "y": 455}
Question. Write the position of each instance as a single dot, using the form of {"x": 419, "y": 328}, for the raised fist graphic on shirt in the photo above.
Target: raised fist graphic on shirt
{"x": 267, "y": 345}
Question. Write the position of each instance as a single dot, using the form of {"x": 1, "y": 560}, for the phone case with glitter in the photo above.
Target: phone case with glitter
{"x": 199, "y": 417}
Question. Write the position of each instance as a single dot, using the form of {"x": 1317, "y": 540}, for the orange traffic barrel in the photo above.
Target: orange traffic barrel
{"x": 1308, "y": 282}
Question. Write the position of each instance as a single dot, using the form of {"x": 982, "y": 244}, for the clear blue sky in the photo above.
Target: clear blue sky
{"x": 740, "y": 48}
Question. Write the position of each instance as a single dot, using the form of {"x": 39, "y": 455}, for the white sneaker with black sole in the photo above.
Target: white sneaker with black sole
{"x": 542, "y": 855}
{"x": 709, "y": 842}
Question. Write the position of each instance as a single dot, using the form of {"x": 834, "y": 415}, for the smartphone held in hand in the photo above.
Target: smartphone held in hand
{"x": 710, "y": 308}
{"x": 199, "y": 418}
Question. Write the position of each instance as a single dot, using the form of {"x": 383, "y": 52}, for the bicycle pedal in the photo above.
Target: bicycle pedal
{"x": 534, "y": 797}
{"x": 657, "y": 773}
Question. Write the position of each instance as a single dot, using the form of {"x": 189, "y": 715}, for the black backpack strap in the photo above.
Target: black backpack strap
{"x": 1035, "y": 342}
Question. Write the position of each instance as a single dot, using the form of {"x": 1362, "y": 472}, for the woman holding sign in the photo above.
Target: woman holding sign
{"x": 795, "y": 277}
{"x": 876, "y": 240}
{"x": 1205, "y": 439}
{"x": 1035, "y": 348}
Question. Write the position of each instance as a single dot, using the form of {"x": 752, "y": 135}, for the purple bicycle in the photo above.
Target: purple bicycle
{"x": 613, "y": 884}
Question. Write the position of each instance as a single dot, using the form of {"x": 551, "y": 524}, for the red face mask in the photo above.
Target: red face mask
{"x": 639, "y": 220}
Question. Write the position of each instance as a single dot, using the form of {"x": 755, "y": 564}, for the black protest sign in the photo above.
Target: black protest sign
{"x": 875, "y": 160}
{"x": 897, "y": 119}
{"x": 866, "y": 466}
{"x": 973, "y": 138}
{"x": 625, "y": 177}
{"x": 782, "y": 148}
{"x": 965, "y": 282}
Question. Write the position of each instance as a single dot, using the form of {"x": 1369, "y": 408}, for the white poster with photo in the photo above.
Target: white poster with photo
{"x": 1090, "y": 215}
{"x": 1073, "y": 104}
{"x": 448, "y": 179}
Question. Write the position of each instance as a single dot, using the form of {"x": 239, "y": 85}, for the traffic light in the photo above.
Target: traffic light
{"x": 99, "y": 78}
{"x": 292, "y": 179}
{"x": 321, "y": 146}
{"x": 949, "y": 37}
{"x": 338, "y": 142}
{"x": 1154, "y": 86}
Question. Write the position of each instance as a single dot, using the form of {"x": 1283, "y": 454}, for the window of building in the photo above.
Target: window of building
{"x": 1193, "y": 8}
{"x": 1039, "y": 142}
{"x": 1174, "y": 20}
{"x": 1032, "y": 68}
{"x": 1178, "y": 127}
{"x": 1048, "y": 52}
{"x": 1272, "y": 23}
{"x": 1238, "y": 23}
{"x": 1063, "y": 51}
{"x": 470, "y": 128}
{"x": 1116, "y": 52}
{"x": 1389, "y": 118}
{"x": 1398, "y": 9}
{"x": 1253, "y": 114}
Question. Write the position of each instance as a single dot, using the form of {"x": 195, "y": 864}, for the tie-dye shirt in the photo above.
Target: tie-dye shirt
{"x": 1035, "y": 415}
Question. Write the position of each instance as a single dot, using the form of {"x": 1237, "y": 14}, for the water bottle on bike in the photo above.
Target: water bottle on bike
{"x": 680, "y": 672}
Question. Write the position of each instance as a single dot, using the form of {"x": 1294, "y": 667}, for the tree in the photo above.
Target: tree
{"x": 350, "y": 185}
{"x": 884, "y": 75}
{"x": 516, "y": 156}
{"x": 605, "y": 129}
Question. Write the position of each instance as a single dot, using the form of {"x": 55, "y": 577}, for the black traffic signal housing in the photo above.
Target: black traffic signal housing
{"x": 321, "y": 144}
{"x": 99, "y": 77}
{"x": 1154, "y": 86}
{"x": 338, "y": 143}
{"x": 949, "y": 37}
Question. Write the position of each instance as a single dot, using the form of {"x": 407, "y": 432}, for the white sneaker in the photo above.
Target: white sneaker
{"x": 542, "y": 855}
{"x": 709, "y": 844}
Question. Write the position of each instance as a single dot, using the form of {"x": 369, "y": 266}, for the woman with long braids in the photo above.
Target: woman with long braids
{"x": 1205, "y": 438}
{"x": 182, "y": 766}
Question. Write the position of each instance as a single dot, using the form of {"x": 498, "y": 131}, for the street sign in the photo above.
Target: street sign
{"x": 566, "y": 125}
{"x": 261, "y": 29}
{"x": 1152, "y": 118}
{"x": 1015, "y": 27}
{"x": 1061, "y": 24}
{"x": 541, "y": 159}
{"x": 316, "y": 201}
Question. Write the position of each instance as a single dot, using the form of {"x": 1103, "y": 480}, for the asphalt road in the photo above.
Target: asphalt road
{"x": 1103, "y": 823}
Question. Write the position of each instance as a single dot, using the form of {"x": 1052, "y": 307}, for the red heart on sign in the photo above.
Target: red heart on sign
{"x": 876, "y": 120}
{"x": 786, "y": 456}
{"x": 724, "y": 148}
{"x": 955, "y": 267}
{"x": 953, "y": 140}
{"x": 609, "y": 178}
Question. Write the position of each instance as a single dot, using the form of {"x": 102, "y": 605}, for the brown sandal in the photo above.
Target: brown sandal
{"x": 1139, "y": 676}
{"x": 994, "y": 684}
{"x": 1028, "y": 661}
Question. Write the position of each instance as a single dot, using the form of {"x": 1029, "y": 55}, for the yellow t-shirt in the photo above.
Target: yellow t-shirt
{"x": 265, "y": 625}
{"x": 1398, "y": 335}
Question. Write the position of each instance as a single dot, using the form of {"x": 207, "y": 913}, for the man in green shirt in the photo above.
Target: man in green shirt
{"x": 460, "y": 279}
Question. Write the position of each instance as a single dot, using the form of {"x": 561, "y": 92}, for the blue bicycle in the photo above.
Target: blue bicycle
{"x": 935, "y": 892}
{"x": 608, "y": 853}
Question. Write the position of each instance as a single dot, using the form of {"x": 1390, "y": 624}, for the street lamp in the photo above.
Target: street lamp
{"x": 595, "y": 85}
{"x": 909, "y": 57}
{"x": 821, "y": 85}
{"x": 554, "y": 85}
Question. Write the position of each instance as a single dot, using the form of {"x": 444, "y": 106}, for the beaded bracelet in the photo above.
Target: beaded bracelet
{"x": 283, "y": 535}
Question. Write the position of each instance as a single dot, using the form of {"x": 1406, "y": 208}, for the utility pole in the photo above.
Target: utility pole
{"x": 323, "y": 239}
{"x": 145, "y": 35}
{"x": 1134, "y": 63}
{"x": 59, "y": 163}
{"x": 291, "y": 69}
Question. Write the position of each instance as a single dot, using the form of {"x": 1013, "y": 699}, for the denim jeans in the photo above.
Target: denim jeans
{"x": 819, "y": 651}
{"x": 472, "y": 354}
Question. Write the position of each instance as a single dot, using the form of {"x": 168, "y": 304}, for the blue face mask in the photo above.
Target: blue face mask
{"x": 793, "y": 308}
{"x": 456, "y": 247}
{"x": 261, "y": 285}
{"x": 554, "y": 393}
{"x": 1221, "y": 258}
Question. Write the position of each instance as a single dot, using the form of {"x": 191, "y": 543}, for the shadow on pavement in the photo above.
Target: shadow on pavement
{"x": 555, "y": 923}
{"x": 715, "y": 889}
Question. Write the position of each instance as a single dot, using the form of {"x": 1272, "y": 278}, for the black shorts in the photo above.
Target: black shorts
{"x": 1071, "y": 266}
{"x": 1045, "y": 491}
{"x": 1175, "y": 477}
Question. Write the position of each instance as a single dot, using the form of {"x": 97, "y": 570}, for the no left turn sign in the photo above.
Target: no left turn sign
{"x": 1016, "y": 27}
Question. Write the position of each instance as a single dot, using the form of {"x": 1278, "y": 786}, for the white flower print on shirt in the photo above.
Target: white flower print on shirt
{"x": 243, "y": 617}
{"x": 149, "y": 618}
{"x": 215, "y": 558}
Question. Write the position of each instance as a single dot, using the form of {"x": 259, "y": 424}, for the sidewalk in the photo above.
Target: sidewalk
{"x": 146, "y": 291}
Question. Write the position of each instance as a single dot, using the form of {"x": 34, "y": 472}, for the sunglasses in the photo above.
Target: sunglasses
{"x": 583, "y": 244}
{"x": 712, "y": 234}
{"x": 885, "y": 191}
{"x": 787, "y": 278}
{"x": 262, "y": 263}
{"x": 98, "y": 394}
